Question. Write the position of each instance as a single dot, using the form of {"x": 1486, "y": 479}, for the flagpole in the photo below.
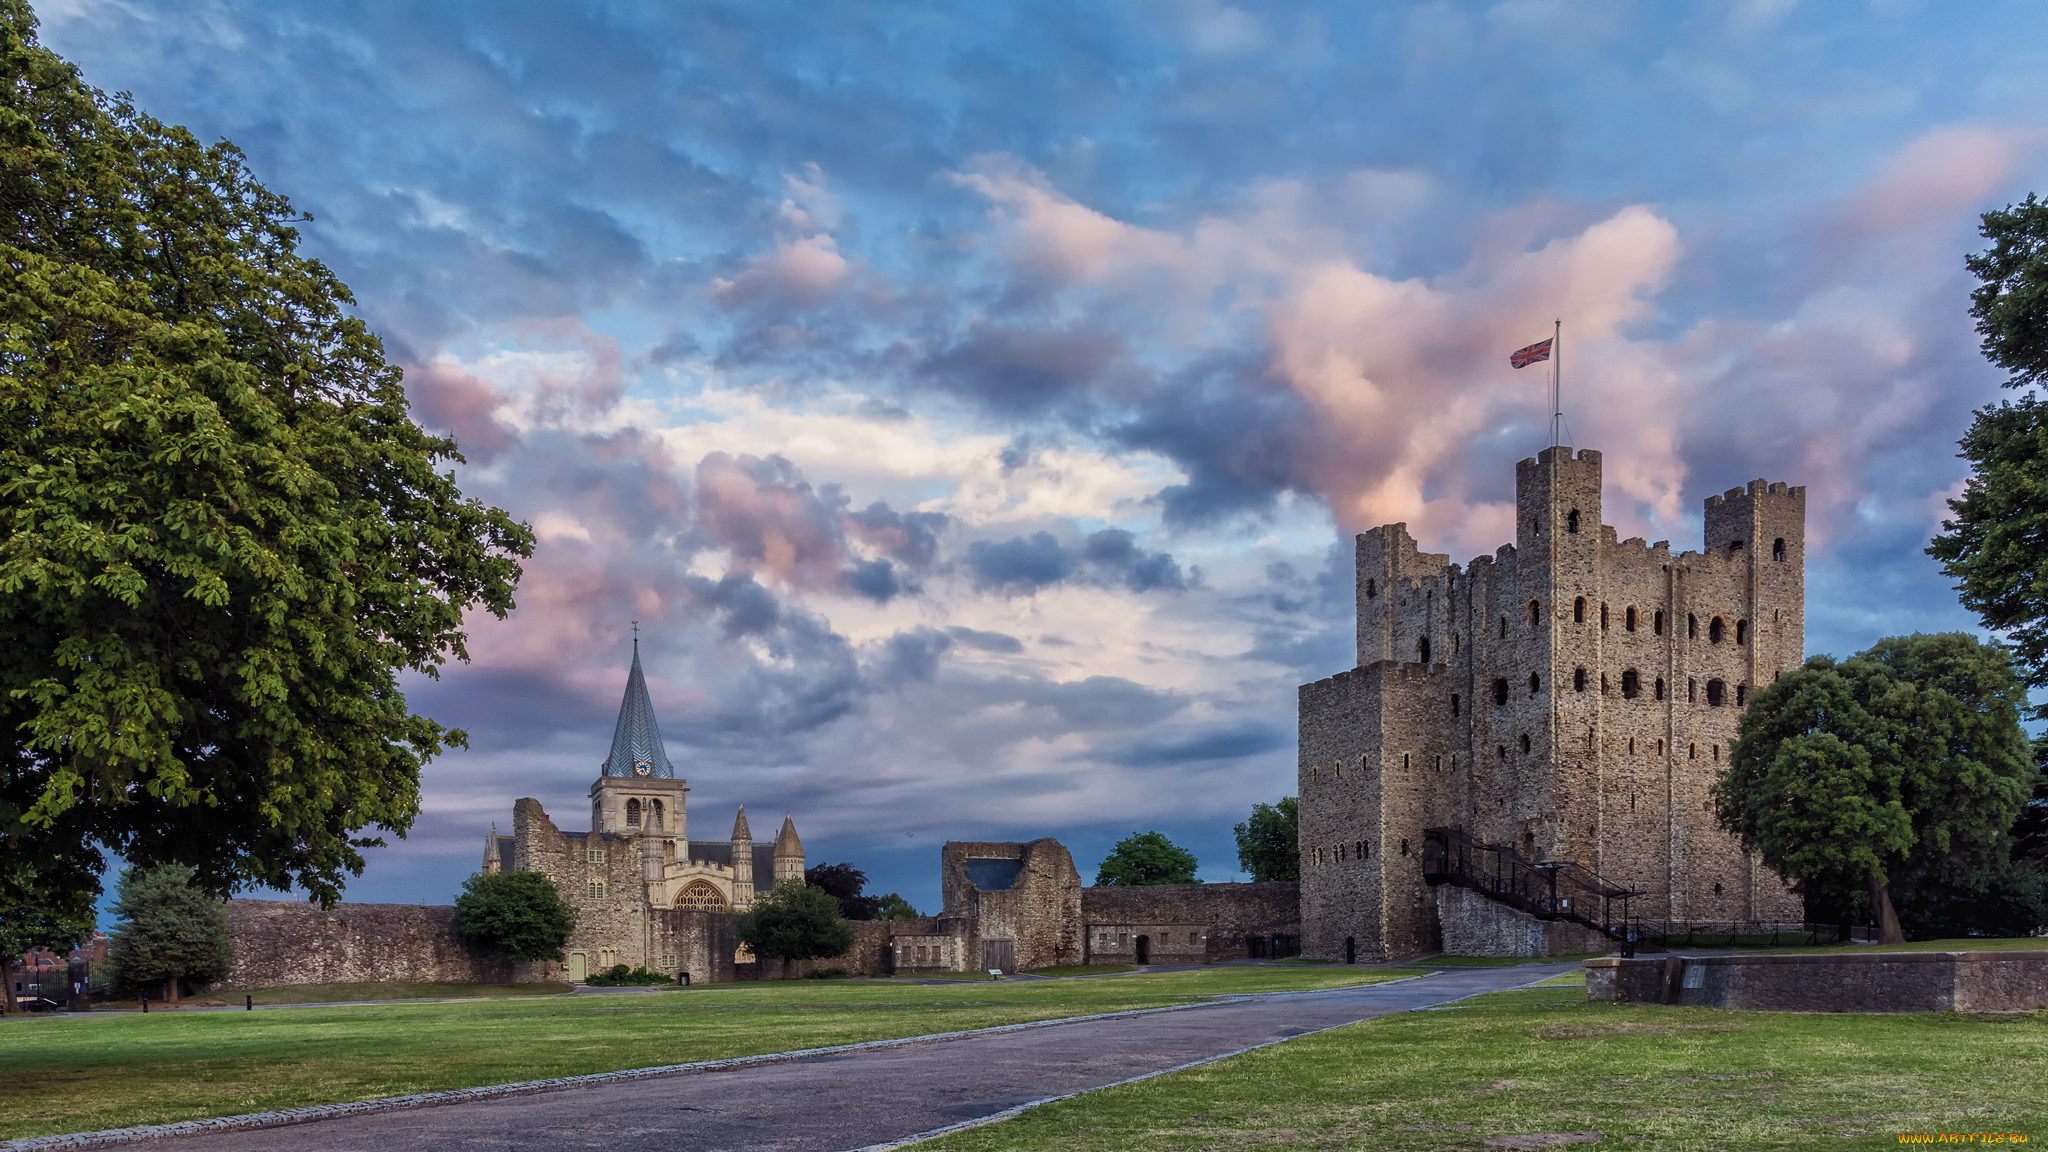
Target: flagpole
{"x": 1556, "y": 383}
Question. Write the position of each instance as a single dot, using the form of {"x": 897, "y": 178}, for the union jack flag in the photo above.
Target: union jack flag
{"x": 1523, "y": 357}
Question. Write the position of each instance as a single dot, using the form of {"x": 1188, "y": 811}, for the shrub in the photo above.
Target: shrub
{"x": 619, "y": 976}
{"x": 517, "y": 915}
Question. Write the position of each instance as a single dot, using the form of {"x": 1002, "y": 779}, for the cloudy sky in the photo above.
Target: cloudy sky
{"x": 972, "y": 402}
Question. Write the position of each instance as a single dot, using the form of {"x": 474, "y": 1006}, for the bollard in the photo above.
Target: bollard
{"x": 249, "y": 1003}
{"x": 145, "y": 1005}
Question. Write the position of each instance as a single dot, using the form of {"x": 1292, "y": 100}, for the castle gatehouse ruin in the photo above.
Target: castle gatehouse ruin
{"x": 1541, "y": 727}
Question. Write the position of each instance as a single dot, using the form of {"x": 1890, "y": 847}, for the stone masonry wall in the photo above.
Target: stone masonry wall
{"x": 281, "y": 942}
{"x": 1476, "y": 926}
{"x": 1841, "y": 982}
{"x": 1226, "y": 913}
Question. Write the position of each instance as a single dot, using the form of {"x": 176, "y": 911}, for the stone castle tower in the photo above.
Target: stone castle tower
{"x": 1572, "y": 696}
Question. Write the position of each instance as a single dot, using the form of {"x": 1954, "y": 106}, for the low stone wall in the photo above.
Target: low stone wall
{"x": 1839, "y": 982}
{"x": 1476, "y": 926}
{"x": 282, "y": 942}
{"x": 1230, "y": 914}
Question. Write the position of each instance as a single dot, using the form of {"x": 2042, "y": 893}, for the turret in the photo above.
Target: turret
{"x": 789, "y": 855}
{"x": 492, "y": 865}
{"x": 742, "y": 861}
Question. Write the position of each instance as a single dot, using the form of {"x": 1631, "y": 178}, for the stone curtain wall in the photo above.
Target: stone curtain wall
{"x": 281, "y": 942}
{"x": 1228, "y": 913}
{"x": 1868, "y": 982}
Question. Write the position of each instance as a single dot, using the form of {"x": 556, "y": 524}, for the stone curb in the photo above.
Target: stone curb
{"x": 288, "y": 1116}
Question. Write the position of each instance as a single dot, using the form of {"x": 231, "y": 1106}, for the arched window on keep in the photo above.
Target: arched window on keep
{"x": 1603, "y": 617}
{"x": 1535, "y": 612}
{"x": 1454, "y": 703}
{"x": 1692, "y": 626}
{"x": 1742, "y": 631}
{"x": 1716, "y": 691}
{"x": 1657, "y": 623}
{"x": 1500, "y": 691}
{"x": 1628, "y": 619}
{"x": 1422, "y": 649}
{"x": 1778, "y": 549}
{"x": 1714, "y": 630}
{"x": 1525, "y": 743}
{"x": 1535, "y": 684}
{"x": 1578, "y": 679}
{"x": 1571, "y": 521}
{"x": 1660, "y": 687}
{"x": 1579, "y": 610}
{"x": 632, "y": 813}
{"x": 1741, "y": 695}
{"x": 1631, "y": 684}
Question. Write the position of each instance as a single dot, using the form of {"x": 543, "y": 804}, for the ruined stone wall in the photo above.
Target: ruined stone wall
{"x": 1227, "y": 913}
{"x": 601, "y": 876}
{"x": 1040, "y": 912}
{"x": 281, "y": 942}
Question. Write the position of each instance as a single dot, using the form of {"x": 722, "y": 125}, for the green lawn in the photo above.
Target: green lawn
{"x": 70, "y": 1074}
{"x": 1964, "y": 944}
{"x": 1083, "y": 970}
{"x": 1544, "y": 1062}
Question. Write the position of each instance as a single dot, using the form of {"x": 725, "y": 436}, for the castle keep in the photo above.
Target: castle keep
{"x": 1571, "y": 697}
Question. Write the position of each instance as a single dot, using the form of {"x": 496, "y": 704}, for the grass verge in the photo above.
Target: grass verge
{"x": 1083, "y": 970}
{"x": 1527, "y": 1069}
{"x": 77, "y": 1073}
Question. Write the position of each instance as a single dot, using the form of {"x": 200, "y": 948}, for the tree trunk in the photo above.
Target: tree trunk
{"x": 171, "y": 988}
{"x": 1888, "y": 930}
{"x": 8, "y": 1005}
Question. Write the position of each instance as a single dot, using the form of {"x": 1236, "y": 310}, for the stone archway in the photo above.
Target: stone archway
{"x": 701, "y": 896}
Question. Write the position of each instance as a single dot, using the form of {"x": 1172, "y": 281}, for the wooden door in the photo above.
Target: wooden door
{"x": 579, "y": 967}
{"x": 999, "y": 954}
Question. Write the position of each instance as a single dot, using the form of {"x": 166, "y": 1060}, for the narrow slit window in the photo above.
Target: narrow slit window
{"x": 1454, "y": 703}
{"x": 1535, "y": 612}
{"x": 1660, "y": 687}
{"x": 1372, "y": 589}
{"x": 1603, "y": 617}
{"x": 1579, "y": 610}
{"x": 1578, "y": 679}
{"x": 1525, "y": 743}
{"x": 1742, "y": 631}
{"x": 1535, "y": 684}
{"x": 1628, "y": 619}
{"x": 1571, "y": 522}
{"x": 1692, "y": 626}
{"x": 1657, "y": 623}
{"x": 1500, "y": 691}
{"x": 1778, "y": 549}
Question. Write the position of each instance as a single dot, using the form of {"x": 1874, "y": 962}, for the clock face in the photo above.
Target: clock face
{"x": 642, "y": 768}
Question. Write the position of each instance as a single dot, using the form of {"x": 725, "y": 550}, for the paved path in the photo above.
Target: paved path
{"x": 855, "y": 1100}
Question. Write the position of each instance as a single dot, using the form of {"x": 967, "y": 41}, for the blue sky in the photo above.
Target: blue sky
{"x": 972, "y": 402}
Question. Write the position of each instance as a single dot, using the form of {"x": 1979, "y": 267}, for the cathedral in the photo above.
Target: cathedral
{"x": 636, "y": 878}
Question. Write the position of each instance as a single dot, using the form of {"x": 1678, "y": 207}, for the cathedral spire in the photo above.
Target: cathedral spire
{"x": 636, "y": 742}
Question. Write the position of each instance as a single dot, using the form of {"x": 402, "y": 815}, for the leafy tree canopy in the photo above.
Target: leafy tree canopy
{"x": 170, "y": 930}
{"x": 894, "y": 907}
{"x": 794, "y": 922}
{"x": 517, "y": 915}
{"x": 1903, "y": 765}
{"x": 845, "y": 882}
{"x": 1269, "y": 844}
{"x": 221, "y": 535}
{"x": 1147, "y": 858}
{"x": 1994, "y": 546}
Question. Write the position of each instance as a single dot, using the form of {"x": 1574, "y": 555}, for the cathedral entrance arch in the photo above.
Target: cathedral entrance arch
{"x": 701, "y": 896}
{"x": 1144, "y": 949}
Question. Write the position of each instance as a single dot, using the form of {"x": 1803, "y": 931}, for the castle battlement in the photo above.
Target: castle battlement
{"x": 1573, "y": 694}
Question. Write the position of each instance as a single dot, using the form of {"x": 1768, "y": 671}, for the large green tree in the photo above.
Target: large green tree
{"x": 794, "y": 922}
{"x": 170, "y": 930}
{"x": 517, "y": 915}
{"x": 1903, "y": 766}
{"x": 1996, "y": 547}
{"x": 222, "y": 538}
{"x": 1146, "y": 858}
{"x": 1269, "y": 843}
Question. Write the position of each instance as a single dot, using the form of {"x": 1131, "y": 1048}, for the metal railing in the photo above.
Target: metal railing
{"x": 1564, "y": 890}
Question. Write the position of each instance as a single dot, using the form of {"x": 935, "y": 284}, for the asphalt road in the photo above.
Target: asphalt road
{"x": 856, "y": 1100}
